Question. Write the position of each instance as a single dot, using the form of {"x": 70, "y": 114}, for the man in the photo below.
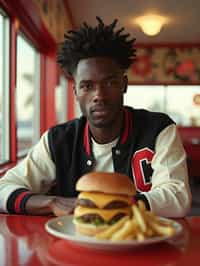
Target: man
{"x": 108, "y": 137}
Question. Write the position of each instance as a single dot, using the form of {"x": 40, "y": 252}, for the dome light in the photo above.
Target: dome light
{"x": 151, "y": 24}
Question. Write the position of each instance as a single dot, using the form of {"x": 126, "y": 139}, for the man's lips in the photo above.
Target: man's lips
{"x": 100, "y": 113}
{"x": 100, "y": 110}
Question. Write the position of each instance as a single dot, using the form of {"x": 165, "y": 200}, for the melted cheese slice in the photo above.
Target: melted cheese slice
{"x": 101, "y": 199}
{"x": 107, "y": 215}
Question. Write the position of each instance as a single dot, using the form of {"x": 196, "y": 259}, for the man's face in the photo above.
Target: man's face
{"x": 99, "y": 89}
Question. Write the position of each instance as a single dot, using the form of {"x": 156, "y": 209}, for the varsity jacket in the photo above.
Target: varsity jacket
{"x": 158, "y": 171}
{"x": 71, "y": 149}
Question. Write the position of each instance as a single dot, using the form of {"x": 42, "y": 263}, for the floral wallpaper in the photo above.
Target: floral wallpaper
{"x": 166, "y": 65}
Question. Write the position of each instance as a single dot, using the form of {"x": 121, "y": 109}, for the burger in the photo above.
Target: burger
{"x": 104, "y": 198}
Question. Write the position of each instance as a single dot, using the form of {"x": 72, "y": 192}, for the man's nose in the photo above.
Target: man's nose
{"x": 99, "y": 91}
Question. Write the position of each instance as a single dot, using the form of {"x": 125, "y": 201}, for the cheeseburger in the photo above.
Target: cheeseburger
{"x": 104, "y": 198}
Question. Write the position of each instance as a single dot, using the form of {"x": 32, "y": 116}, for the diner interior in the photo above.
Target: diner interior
{"x": 165, "y": 76}
{"x": 35, "y": 94}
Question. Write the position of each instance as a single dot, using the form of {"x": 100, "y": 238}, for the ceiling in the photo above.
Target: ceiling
{"x": 183, "y": 28}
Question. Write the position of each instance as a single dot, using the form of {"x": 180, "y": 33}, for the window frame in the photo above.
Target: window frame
{"x": 5, "y": 147}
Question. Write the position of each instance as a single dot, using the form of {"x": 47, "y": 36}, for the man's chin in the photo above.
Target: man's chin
{"x": 101, "y": 123}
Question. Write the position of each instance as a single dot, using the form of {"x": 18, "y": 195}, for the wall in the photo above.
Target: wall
{"x": 177, "y": 64}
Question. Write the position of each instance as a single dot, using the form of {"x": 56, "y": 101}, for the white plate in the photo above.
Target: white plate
{"x": 63, "y": 228}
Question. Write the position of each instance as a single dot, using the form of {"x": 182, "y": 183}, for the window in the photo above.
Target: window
{"x": 177, "y": 101}
{"x": 181, "y": 106}
{"x": 27, "y": 95}
{"x": 61, "y": 100}
{"x": 4, "y": 87}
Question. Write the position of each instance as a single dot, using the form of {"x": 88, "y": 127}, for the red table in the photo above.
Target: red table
{"x": 24, "y": 241}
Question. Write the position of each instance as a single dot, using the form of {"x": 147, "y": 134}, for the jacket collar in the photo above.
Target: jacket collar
{"x": 124, "y": 136}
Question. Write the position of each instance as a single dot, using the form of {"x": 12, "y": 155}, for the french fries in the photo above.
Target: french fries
{"x": 140, "y": 219}
{"x": 112, "y": 229}
{"x": 129, "y": 227}
{"x": 163, "y": 230}
{"x": 142, "y": 225}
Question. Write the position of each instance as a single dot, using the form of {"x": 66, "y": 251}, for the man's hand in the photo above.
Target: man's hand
{"x": 63, "y": 206}
{"x": 43, "y": 205}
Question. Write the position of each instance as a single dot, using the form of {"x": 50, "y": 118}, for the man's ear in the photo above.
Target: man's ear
{"x": 74, "y": 89}
{"x": 125, "y": 83}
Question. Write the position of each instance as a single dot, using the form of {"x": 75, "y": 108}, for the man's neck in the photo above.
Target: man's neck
{"x": 107, "y": 134}
{"x": 102, "y": 135}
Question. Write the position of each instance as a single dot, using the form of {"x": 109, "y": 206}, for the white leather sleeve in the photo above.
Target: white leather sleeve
{"x": 36, "y": 173}
{"x": 170, "y": 194}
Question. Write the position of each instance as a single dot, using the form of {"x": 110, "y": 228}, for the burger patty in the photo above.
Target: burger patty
{"x": 116, "y": 205}
{"x": 90, "y": 218}
{"x": 111, "y": 205}
{"x": 86, "y": 203}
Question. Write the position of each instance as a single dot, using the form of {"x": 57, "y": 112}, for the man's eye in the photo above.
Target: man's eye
{"x": 112, "y": 83}
{"x": 86, "y": 86}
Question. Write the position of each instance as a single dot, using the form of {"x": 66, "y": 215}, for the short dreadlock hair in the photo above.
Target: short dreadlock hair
{"x": 97, "y": 41}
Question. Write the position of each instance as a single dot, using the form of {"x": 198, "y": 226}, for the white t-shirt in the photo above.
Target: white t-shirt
{"x": 103, "y": 155}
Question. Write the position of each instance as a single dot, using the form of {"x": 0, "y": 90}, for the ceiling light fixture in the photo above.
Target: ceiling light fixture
{"x": 151, "y": 24}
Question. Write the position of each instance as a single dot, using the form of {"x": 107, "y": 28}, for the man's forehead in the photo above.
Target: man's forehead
{"x": 100, "y": 67}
